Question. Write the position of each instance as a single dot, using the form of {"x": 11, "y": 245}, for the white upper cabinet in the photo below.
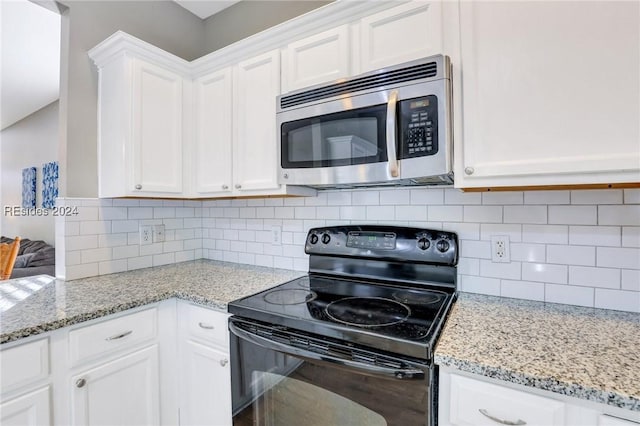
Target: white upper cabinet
{"x": 317, "y": 59}
{"x": 212, "y": 151}
{"x": 156, "y": 129}
{"x": 400, "y": 34}
{"x": 255, "y": 156}
{"x": 547, "y": 93}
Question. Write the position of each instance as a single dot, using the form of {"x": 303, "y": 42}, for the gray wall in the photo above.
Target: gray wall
{"x": 84, "y": 25}
{"x": 31, "y": 141}
{"x": 250, "y": 17}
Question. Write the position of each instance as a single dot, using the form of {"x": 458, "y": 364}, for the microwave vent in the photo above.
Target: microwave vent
{"x": 415, "y": 72}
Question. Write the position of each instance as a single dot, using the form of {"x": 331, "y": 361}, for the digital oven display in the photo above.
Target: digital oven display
{"x": 372, "y": 240}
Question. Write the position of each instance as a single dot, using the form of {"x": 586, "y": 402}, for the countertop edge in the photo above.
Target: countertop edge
{"x": 543, "y": 383}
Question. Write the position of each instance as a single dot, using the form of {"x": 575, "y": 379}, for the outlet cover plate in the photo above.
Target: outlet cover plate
{"x": 500, "y": 251}
{"x": 146, "y": 235}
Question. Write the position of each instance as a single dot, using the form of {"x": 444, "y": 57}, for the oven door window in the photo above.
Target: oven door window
{"x": 272, "y": 388}
{"x": 339, "y": 139}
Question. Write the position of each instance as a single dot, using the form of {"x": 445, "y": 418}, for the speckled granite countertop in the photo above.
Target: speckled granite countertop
{"x": 39, "y": 304}
{"x": 592, "y": 354}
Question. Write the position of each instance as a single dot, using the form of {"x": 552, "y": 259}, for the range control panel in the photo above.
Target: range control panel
{"x": 385, "y": 242}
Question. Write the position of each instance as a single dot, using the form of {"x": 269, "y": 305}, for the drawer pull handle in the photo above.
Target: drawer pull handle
{"x": 504, "y": 422}
{"x": 224, "y": 362}
{"x": 206, "y": 326}
{"x": 119, "y": 336}
{"x": 80, "y": 383}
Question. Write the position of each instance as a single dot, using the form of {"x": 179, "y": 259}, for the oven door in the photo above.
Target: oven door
{"x": 283, "y": 377}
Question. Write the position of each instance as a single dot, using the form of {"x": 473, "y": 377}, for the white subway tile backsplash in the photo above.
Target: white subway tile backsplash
{"x": 631, "y": 236}
{"x": 631, "y": 279}
{"x": 500, "y": 270}
{"x": 528, "y": 252}
{"x": 483, "y": 214}
{"x": 380, "y": 213}
{"x": 454, "y": 196}
{"x": 365, "y": 198}
{"x": 619, "y": 215}
{"x": 632, "y": 196}
{"x": 618, "y": 299}
{"x": 581, "y": 296}
{"x": 573, "y": 215}
{"x": 522, "y": 289}
{"x": 627, "y": 258}
{"x": 594, "y": 235}
{"x": 571, "y": 255}
{"x": 594, "y": 277}
{"x": 481, "y": 285}
{"x": 487, "y": 230}
{"x": 502, "y": 198}
{"x": 525, "y": 214}
{"x": 394, "y": 197}
{"x": 547, "y": 197}
{"x": 545, "y": 234}
{"x": 445, "y": 213}
{"x": 427, "y": 196}
{"x": 576, "y": 247}
{"x": 542, "y": 272}
{"x": 475, "y": 249}
{"x": 597, "y": 196}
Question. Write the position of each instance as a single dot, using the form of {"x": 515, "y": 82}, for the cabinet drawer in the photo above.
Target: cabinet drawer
{"x": 604, "y": 420}
{"x": 112, "y": 335}
{"x": 24, "y": 364}
{"x": 207, "y": 325}
{"x": 478, "y": 403}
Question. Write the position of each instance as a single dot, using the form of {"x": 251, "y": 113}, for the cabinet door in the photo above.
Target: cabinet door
{"x": 121, "y": 392}
{"x": 206, "y": 386}
{"x": 156, "y": 130}
{"x": 255, "y": 154}
{"x": 213, "y": 136}
{"x": 317, "y": 59}
{"x": 31, "y": 409}
{"x": 550, "y": 93}
{"x": 400, "y": 34}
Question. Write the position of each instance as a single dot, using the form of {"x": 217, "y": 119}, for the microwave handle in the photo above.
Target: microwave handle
{"x": 391, "y": 133}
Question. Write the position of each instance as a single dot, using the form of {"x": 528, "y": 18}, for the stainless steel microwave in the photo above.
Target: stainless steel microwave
{"x": 392, "y": 126}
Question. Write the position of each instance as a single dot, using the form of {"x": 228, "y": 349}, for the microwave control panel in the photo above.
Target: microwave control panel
{"x": 418, "y": 127}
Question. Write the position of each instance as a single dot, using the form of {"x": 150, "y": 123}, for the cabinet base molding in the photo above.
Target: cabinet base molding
{"x": 554, "y": 187}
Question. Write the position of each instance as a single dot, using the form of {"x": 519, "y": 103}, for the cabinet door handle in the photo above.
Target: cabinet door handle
{"x": 205, "y": 326}
{"x": 224, "y": 362}
{"x": 238, "y": 186}
{"x": 138, "y": 186}
{"x": 504, "y": 422}
{"x": 119, "y": 336}
{"x": 469, "y": 170}
{"x": 80, "y": 383}
{"x": 225, "y": 186}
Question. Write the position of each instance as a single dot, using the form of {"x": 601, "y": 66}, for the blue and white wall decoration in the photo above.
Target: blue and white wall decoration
{"x": 29, "y": 187}
{"x": 49, "y": 184}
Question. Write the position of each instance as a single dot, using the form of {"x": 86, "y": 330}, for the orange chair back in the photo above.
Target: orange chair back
{"x": 8, "y": 254}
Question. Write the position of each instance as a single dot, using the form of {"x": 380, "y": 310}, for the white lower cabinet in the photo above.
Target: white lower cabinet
{"x": 205, "y": 373}
{"x": 124, "y": 391}
{"x": 31, "y": 409}
{"x": 466, "y": 399}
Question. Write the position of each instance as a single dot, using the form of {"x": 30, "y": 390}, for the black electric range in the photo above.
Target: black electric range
{"x": 388, "y": 288}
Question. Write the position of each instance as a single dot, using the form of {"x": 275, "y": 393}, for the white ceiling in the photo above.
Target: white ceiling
{"x": 205, "y": 8}
{"x": 30, "y": 71}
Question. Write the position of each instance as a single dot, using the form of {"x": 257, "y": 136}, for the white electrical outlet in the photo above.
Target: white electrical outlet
{"x": 158, "y": 233}
{"x": 500, "y": 252}
{"x": 146, "y": 235}
{"x": 276, "y": 235}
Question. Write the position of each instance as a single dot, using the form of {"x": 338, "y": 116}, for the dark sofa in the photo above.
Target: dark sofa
{"x": 34, "y": 258}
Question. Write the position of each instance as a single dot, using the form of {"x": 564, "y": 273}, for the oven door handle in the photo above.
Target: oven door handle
{"x": 392, "y": 156}
{"x": 375, "y": 370}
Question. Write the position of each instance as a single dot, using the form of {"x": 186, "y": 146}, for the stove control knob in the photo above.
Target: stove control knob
{"x": 313, "y": 239}
{"x": 326, "y": 238}
{"x": 442, "y": 246}
{"x": 423, "y": 243}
